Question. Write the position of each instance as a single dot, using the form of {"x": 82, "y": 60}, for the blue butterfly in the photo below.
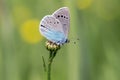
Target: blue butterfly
{"x": 55, "y": 27}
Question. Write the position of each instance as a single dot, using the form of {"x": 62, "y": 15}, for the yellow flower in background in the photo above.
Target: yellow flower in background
{"x": 30, "y": 31}
{"x": 83, "y": 4}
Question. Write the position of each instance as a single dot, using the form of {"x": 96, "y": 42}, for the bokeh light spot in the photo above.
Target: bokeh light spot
{"x": 83, "y": 4}
{"x": 30, "y": 31}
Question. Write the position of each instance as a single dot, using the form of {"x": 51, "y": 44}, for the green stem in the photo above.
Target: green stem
{"x": 51, "y": 57}
{"x": 49, "y": 70}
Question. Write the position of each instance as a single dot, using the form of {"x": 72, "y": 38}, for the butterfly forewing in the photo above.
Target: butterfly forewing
{"x": 51, "y": 28}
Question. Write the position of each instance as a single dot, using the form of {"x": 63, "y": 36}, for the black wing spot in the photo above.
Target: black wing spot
{"x": 61, "y": 15}
{"x": 64, "y": 24}
{"x": 58, "y": 15}
{"x": 57, "y": 22}
{"x": 64, "y": 16}
{"x": 54, "y": 22}
{"x": 42, "y": 26}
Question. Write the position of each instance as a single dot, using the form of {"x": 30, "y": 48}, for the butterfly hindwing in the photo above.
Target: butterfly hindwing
{"x": 63, "y": 16}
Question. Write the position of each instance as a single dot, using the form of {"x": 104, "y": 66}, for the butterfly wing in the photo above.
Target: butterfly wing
{"x": 51, "y": 28}
{"x": 63, "y": 16}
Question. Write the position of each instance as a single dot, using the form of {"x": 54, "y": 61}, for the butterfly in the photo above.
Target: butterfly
{"x": 55, "y": 27}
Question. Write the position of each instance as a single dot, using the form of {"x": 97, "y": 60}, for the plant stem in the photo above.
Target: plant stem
{"x": 52, "y": 48}
{"x": 51, "y": 57}
{"x": 49, "y": 70}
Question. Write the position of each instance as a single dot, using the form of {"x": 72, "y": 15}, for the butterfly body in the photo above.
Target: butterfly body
{"x": 55, "y": 27}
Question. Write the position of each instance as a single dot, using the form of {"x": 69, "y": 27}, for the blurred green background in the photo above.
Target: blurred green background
{"x": 96, "y": 56}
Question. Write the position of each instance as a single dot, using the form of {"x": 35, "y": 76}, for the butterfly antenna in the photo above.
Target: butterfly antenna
{"x": 44, "y": 64}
